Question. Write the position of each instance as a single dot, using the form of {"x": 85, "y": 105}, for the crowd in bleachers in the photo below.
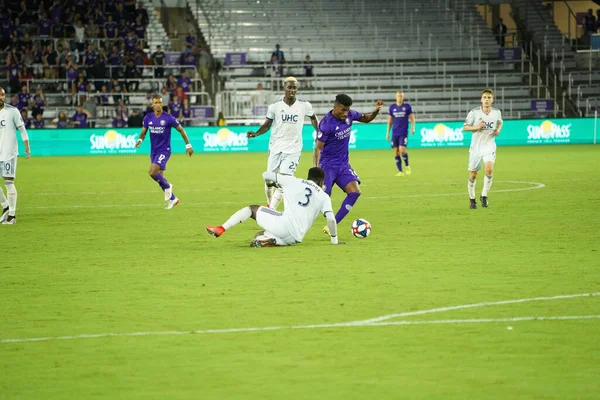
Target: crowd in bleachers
{"x": 94, "y": 54}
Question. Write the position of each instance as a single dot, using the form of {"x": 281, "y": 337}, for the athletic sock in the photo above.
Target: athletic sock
{"x": 269, "y": 193}
{"x": 276, "y": 198}
{"x": 3, "y": 201}
{"x": 471, "y": 188}
{"x": 346, "y": 206}
{"x": 398, "y": 163}
{"x": 11, "y": 193}
{"x": 162, "y": 181}
{"x": 487, "y": 185}
{"x": 405, "y": 157}
{"x": 237, "y": 218}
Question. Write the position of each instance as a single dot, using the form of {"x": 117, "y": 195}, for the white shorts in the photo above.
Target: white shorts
{"x": 283, "y": 163}
{"x": 274, "y": 225}
{"x": 8, "y": 169}
{"x": 476, "y": 161}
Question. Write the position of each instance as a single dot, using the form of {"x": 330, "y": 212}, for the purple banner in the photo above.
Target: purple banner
{"x": 510, "y": 53}
{"x": 542, "y": 105}
{"x": 234, "y": 59}
{"x": 203, "y": 112}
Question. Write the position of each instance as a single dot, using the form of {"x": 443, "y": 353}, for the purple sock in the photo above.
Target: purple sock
{"x": 346, "y": 206}
{"x": 162, "y": 181}
{"x": 398, "y": 163}
{"x": 405, "y": 157}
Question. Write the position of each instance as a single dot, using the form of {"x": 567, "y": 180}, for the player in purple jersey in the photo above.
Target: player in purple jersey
{"x": 331, "y": 150}
{"x": 399, "y": 114}
{"x": 159, "y": 123}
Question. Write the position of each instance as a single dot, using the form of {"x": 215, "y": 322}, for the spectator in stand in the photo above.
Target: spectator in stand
{"x": 190, "y": 39}
{"x": 180, "y": 93}
{"x": 61, "y": 121}
{"x": 110, "y": 28}
{"x": 26, "y": 120}
{"x": 80, "y": 117}
{"x": 141, "y": 11}
{"x": 280, "y": 58}
{"x": 118, "y": 121}
{"x": 24, "y": 96}
{"x": 598, "y": 20}
{"x": 110, "y": 6}
{"x": 175, "y": 107}
{"x": 139, "y": 57}
{"x": 57, "y": 29}
{"x": 129, "y": 6}
{"x": 98, "y": 16}
{"x": 38, "y": 122}
{"x": 184, "y": 81}
{"x": 56, "y": 10}
{"x": 50, "y": 62}
{"x": 275, "y": 72}
{"x": 82, "y": 88}
{"x": 185, "y": 116}
{"x": 13, "y": 73}
{"x": 171, "y": 84}
{"x": 122, "y": 109}
{"x": 79, "y": 36}
{"x": 135, "y": 119}
{"x": 89, "y": 56}
{"x": 500, "y": 31}
{"x": 26, "y": 77}
{"x": 103, "y": 96}
{"x": 159, "y": 61}
{"x": 221, "y": 119}
{"x": 308, "y": 72}
{"x": 117, "y": 89}
{"x": 140, "y": 29}
{"x": 91, "y": 106}
{"x": 92, "y": 30}
{"x": 132, "y": 73}
{"x": 589, "y": 23}
{"x": 38, "y": 103}
{"x": 97, "y": 72}
{"x": 165, "y": 95}
{"x": 205, "y": 63}
{"x": 131, "y": 42}
{"x": 119, "y": 14}
{"x": 44, "y": 26}
{"x": 38, "y": 65}
{"x": 72, "y": 70}
{"x": 114, "y": 61}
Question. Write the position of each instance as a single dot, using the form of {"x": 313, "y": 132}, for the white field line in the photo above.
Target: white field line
{"x": 534, "y": 185}
{"x": 371, "y": 322}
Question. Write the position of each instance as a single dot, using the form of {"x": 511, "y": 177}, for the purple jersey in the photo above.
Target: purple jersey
{"x": 72, "y": 74}
{"x": 90, "y": 56}
{"x": 81, "y": 118}
{"x": 336, "y": 136}
{"x": 38, "y": 124}
{"x": 160, "y": 130}
{"x": 111, "y": 29}
{"x": 399, "y": 114}
{"x": 186, "y": 112}
{"x": 174, "y": 109}
{"x": 62, "y": 124}
{"x": 185, "y": 83}
{"x": 119, "y": 123}
{"x": 39, "y": 102}
{"x": 44, "y": 27}
{"x": 23, "y": 100}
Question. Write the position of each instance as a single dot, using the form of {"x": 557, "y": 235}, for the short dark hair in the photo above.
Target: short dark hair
{"x": 484, "y": 91}
{"x": 316, "y": 174}
{"x": 343, "y": 99}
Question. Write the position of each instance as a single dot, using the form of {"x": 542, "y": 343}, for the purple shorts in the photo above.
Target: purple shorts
{"x": 160, "y": 158}
{"x": 399, "y": 140}
{"x": 340, "y": 175}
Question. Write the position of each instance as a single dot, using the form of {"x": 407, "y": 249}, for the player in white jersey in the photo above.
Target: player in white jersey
{"x": 286, "y": 117}
{"x": 303, "y": 200}
{"x": 10, "y": 121}
{"x": 486, "y": 123}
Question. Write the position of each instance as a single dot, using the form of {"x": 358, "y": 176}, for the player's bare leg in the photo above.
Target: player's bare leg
{"x": 238, "y": 217}
{"x": 487, "y": 183}
{"x": 471, "y": 189}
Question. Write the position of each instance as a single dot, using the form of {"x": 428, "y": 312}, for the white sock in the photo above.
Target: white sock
{"x": 472, "y": 188}
{"x": 11, "y": 193}
{"x": 487, "y": 185}
{"x": 269, "y": 193}
{"x": 237, "y": 218}
{"x": 3, "y": 201}
{"x": 276, "y": 199}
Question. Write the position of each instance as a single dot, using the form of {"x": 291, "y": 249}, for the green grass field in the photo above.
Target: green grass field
{"x": 94, "y": 252}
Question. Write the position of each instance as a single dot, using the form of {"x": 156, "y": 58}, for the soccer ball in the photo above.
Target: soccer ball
{"x": 361, "y": 228}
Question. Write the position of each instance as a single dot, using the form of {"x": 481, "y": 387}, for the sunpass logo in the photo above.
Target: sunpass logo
{"x": 225, "y": 140}
{"x": 441, "y": 136}
{"x": 291, "y": 118}
{"x": 112, "y": 142}
{"x": 548, "y": 132}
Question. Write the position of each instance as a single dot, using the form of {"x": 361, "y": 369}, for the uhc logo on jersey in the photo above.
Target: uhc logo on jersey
{"x": 290, "y": 118}
{"x": 489, "y": 125}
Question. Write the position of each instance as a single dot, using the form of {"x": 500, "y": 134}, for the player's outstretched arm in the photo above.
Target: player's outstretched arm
{"x": 142, "y": 137}
{"x": 188, "y": 146}
{"x": 366, "y": 118}
{"x": 263, "y": 129}
{"x": 315, "y": 122}
{"x": 332, "y": 225}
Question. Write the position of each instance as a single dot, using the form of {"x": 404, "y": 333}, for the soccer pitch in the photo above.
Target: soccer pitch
{"x": 104, "y": 294}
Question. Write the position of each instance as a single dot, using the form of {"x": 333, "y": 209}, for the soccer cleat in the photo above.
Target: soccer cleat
{"x": 472, "y": 204}
{"x": 172, "y": 203}
{"x": 168, "y": 193}
{"x": 10, "y": 221}
{"x": 408, "y": 172}
{"x": 263, "y": 242}
{"x": 484, "y": 202}
{"x": 4, "y": 215}
{"x": 215, "y": 231}
{"x": 400, "y": 173}
{"x": 326, "y": 230}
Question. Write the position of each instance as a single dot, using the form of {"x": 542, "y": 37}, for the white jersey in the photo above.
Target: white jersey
{"x": 286, "y": 130}
{"x": 483, "y": 141}
{"x": 303, "y": 201}
{"x": 10, "y": 121}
